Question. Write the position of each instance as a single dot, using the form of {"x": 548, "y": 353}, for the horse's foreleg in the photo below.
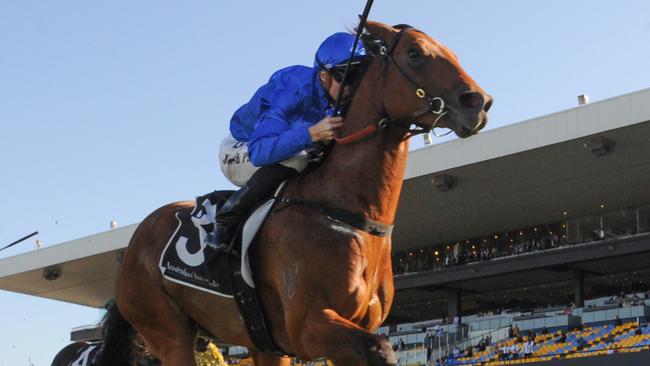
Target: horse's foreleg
{"x": 326, "y": 334}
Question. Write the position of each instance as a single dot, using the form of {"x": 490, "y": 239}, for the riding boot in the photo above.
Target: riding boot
{"x": 260, "y": 186}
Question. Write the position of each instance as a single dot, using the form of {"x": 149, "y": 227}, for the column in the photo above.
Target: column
{"x": 454, "y": 304}
{"x": 579, "y": 280}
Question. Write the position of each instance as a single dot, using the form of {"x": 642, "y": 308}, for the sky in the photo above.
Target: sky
{"x": 110, "y": 109}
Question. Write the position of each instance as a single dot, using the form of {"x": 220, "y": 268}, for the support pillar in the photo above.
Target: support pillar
{"x": 579, "y": 294}
{"x": 454, "y": 304}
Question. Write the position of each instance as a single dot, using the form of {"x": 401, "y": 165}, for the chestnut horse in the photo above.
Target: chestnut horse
{"x": 324, "y": 286}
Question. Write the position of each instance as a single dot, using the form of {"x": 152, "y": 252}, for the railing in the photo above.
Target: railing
{"x": 413, "y": 355}
{"x": 640, "y": 233}
{"x": 416, "y": 352}
{"x": 496, "y": 335}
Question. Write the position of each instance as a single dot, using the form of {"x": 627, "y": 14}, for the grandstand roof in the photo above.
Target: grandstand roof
{"x": 510, "y": 177}
{"x": 87, "y": 266}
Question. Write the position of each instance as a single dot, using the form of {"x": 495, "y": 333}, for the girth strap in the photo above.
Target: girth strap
{"x": 372, "y": 227}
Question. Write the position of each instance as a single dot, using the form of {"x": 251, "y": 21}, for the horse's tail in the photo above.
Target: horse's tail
{"x": 119, "y": 337}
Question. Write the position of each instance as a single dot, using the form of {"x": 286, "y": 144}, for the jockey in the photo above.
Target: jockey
{"x": 269, "y": 134}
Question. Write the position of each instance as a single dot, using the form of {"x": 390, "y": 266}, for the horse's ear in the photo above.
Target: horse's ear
{"x": 376, "y": 35}
{"x": 378, "y": 30}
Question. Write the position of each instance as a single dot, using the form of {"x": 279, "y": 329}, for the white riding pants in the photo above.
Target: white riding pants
{"x": 237, "y": 167}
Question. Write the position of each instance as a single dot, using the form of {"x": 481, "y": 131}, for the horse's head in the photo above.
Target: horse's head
{"x": 424, "y": 83}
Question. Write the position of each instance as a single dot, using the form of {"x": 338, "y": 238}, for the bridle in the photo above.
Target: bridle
{"x": 435, "y": 105}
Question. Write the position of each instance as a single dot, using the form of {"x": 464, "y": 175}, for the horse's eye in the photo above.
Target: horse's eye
{"x": 413, "y": 54}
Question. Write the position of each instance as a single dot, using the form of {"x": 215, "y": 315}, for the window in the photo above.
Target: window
{"x": 644, "y": 219}
{"x": 620, "y": 223}
{"x": 584, "y": 229}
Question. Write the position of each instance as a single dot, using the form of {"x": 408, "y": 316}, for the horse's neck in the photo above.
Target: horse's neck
{"x": 366, "y": 175}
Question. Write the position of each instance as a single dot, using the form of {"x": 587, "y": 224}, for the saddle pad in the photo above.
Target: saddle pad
{"x": 88, "y": 355}
{"x": 182, "y": 259}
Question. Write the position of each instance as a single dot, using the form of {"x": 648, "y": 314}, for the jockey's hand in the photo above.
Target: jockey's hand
{"x": 324, "y": 130}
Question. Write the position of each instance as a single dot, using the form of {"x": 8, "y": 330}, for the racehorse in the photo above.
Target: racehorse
{"x": 324, "y": 285}
{"x": 70, "y": 353}
{"x": 85, "y": 354}
{"x": 91, "y": 353}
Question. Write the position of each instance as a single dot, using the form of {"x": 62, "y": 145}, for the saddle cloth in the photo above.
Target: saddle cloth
{"x": 88, "y": 355}
{"x": 182, "y": 260}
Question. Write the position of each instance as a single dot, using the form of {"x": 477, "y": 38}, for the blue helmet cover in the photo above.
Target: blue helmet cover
{"x": 336, "y": 50}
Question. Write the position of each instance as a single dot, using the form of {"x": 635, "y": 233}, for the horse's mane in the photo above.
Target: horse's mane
{"x": 361, "y": 71}
{"x": 372, "y": 42}
{"x": 402, "y": 26}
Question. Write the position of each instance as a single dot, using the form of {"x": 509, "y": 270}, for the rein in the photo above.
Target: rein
{"x": 434, "y": 105}
{"x": 363, "y": 18}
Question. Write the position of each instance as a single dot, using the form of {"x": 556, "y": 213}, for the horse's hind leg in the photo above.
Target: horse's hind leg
{"x": 159, "y": 321}
{"x": 163, "y": 327}
{"x": 143, "y": 301}
{"x": 326, "y": 333}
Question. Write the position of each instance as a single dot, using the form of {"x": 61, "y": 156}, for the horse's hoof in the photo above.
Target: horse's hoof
{"x": 380, "y": 353}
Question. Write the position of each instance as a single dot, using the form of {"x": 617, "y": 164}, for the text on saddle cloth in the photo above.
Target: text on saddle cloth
{"x": 183, "y": 259}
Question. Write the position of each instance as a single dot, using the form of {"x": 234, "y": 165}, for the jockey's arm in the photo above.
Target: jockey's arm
{"x": 280, "y": 133}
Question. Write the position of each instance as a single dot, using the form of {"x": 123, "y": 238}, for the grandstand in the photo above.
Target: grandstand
{"x": 587, "y": 342}
{"x": 541, "y": 223}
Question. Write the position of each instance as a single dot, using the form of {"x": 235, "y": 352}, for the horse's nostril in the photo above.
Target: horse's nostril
{"x": 488, "y": 104}
{"x": 471, "y": 100}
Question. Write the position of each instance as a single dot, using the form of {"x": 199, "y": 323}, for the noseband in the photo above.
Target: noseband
{"x": 434, "y": 105}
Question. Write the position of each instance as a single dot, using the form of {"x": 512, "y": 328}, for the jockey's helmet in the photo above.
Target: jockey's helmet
{"x": 336, "y": 50}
